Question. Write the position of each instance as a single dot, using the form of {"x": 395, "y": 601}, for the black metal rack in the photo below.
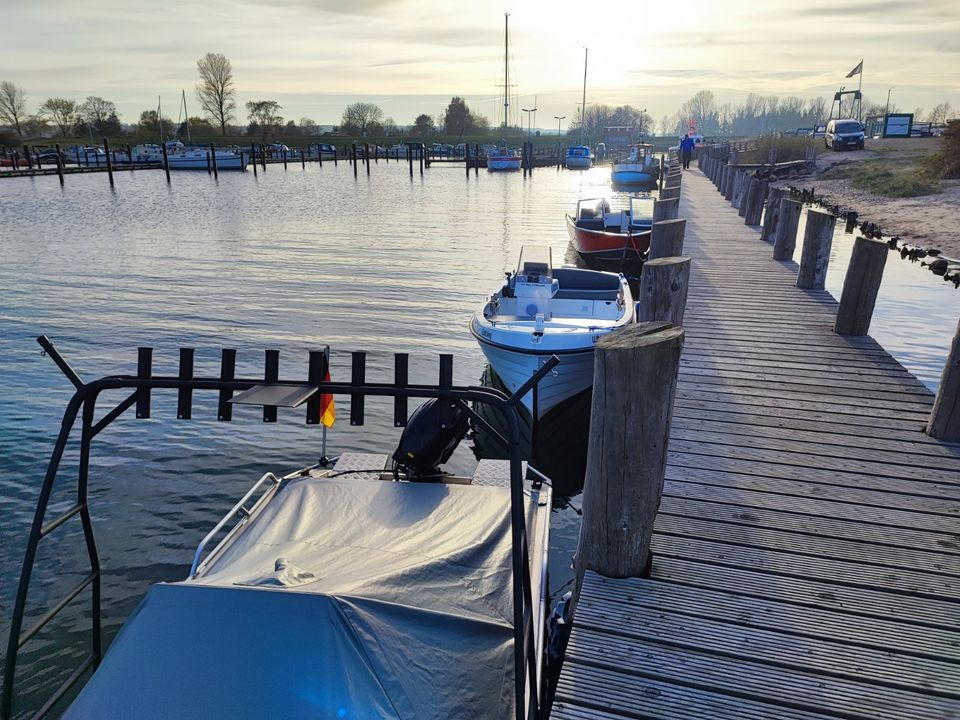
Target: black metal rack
{"x": 142, "y": 384}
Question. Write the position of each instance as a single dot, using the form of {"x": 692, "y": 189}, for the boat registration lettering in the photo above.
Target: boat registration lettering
{"x": 487, "y": 334}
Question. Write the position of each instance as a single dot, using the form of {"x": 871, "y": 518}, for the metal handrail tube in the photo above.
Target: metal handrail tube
{"x": 49, "y": 614}
{"x": 54, "y": 524}
{"x": 219, "y": 526}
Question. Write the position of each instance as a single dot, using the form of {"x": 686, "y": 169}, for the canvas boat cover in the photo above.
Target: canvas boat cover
{"x": 344, "y": 598}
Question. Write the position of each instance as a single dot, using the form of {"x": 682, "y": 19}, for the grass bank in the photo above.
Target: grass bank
{"x": 890, "y": 175}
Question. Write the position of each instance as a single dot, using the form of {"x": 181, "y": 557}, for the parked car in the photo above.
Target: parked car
{"x": 844, "y": 133}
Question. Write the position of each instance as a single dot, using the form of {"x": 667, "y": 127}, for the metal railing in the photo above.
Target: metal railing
{"x": 83, "y": 403}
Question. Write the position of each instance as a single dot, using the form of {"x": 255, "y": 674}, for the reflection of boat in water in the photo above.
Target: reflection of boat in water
{"x": 579, "y": 157}
{"x": 640, "y": 167}
{"x": 350, "y": 589}
{"x": 613, "y": 240}
{"x": 558, "y": 447}
{"x": 541, "y": 311}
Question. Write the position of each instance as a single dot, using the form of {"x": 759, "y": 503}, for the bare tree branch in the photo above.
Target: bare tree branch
{"x": 215, "y": 90}
{"x": 13, "y": 104}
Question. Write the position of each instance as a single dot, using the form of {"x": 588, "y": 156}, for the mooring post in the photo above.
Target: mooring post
{"x": 353, "y": 158}
{"x": 336, "y": 152}
{"x": 213, "y": 161}
{"x": 748, "y": 182}
{"x": 663, "y": 290}
{"x": 253, "y": 157}
{"x": 410, "y": 159}
{"x": 860, "y": 286}
{"x": 106, "y": 149}
{"x": 634, "y": 382}
{"x": 788, "y": 221}
{"x": 209, "y": 168}
{"x": 26, "y": 156}
{"x": 366, "y": 156}
{"x": 166, "y": 161}
{"x": 815, "y": 254}
{"x": 666, "y": 238}
{"x": 283, "y": 156}
{"x": 739, "y": 179}
{"x": 59, "y": 163}
{"x": 851, "y": 221}
{"x": 944, "y": 422}
{"x": 771, "y": 212}
{"x": 303, "y": 159}
{"x": 729, "y": 181}
{"x": 423, "y": 151}
{"x": 670, "y": 193}
{"x": 665, "y": 209}
{"x": 755, "y": 198}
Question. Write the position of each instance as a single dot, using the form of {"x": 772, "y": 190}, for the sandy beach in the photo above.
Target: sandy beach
{"x": 931, "y": 221}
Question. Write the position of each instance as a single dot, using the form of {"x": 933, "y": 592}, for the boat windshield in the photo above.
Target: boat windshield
{"x": 535, "y": 262}
{"x": 641, "y": 210}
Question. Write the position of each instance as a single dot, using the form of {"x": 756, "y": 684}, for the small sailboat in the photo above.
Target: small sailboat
{"x": 579, "y": 157}
{"x": 543, "y": 311}
{"x": 504, "y": 158}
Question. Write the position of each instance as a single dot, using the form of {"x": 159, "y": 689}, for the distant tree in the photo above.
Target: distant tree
{"x": 215, "y": 91}
{"x": 98, "y": 115}
{"x": 390, "y": 127}
{"x": 360, "y": 117}
{"x": 459, "y": 120}
{"x": 35, "y": 125}
{"x": 918, "y": 114}
{"x": 264, "y": 116}
{"x": 61, "y": 112}
{"x": 308, "y": 126}
{"x": 940, "y": 113}
{"x": 13, "y": 105}
{"x": 817, "y": 110}
{"x": 423, "y": 126}
{"x": 197, "y": 126}
{"x": 150, "y": 127}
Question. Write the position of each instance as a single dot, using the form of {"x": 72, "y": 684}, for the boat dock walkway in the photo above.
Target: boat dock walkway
{"x": 806, "y": 558}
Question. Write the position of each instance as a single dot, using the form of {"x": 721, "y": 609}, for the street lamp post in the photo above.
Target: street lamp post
{"x": 529, "y": 124}
{"x": 642, "y": 112}
{"x": 558, "y": 118}
{"x": 887, "y": 111}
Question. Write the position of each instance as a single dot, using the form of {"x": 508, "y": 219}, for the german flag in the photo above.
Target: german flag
{"x": 328, "y": 412}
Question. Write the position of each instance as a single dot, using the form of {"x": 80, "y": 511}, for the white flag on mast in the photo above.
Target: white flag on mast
{"x": 856, "y": 71}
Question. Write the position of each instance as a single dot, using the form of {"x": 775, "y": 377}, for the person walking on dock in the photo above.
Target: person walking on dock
{"x": 686, "y": 151}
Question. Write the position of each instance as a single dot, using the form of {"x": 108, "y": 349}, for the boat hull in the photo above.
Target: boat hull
{"x": 503, "y": 164}
{"x": 573, "y": 375}
{"x": 579, "y": 163}
{"x": 614, "y": 252}
{"x": 633, "y": 176}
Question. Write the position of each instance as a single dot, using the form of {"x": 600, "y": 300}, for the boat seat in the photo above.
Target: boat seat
{"x": 590, "y": 223}
{"x": 586, "y": 284}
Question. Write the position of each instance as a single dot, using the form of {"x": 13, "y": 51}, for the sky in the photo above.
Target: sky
{"x": 411, "y": 56}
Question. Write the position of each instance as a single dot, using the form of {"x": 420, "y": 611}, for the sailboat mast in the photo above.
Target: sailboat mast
{"x": 583, "y": 105}
{"x": 506, "y": 69}
{"x": 159, "y": 121}
{"x": 186, "y": 118}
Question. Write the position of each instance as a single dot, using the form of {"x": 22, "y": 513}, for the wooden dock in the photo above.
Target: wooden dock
{"x": 806, "y": 555}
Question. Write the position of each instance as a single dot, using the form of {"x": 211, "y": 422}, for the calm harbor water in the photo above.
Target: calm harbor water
{"x": 291, "y": 260}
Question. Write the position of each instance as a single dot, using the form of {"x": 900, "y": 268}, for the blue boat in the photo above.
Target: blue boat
{"x": 640, "y": 168}
{"x": 579, "y": 157}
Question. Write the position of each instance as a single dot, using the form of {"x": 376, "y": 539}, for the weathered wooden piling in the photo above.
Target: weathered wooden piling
{"x": 353, "y": 158}
{"x": 670, "y": 193}
{"x": 755, "y": 197}
{"x": 860, "y": 287}
{"x": 634, "y": 382}
{"x": 366, "y": 156}
{"x": 815, "y": 253}
{"x": 851, "y": 221}
{"x": 283, "y": 156}
{"x": 253, "y": 157}
{"x": 263, "y": 157}
{"x": 738, "y": 181}
{"x": 788, "y": 221}
{"x": 944, "y": 420}
{"x": 106, "y": 149}
{"x": 663, "y": 290}
{"x": 59, "y": 164}
{"x": 748, "y": 183}
{"x": 665, "y": 209}
{"x": 410, "y": 159}
{"x": 729, "y": 176}
{"x": 213, "y": 161}
{"x": 771, "y": 212}
{"x": 303, "y": 159}
{"x": 423, "y": 151}
{"x": 666, "y": 238}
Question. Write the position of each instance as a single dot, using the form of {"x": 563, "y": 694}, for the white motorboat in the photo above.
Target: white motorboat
{"x": 504, "y": 159}
{"x": 579, "y": 158}
{"x": 542, "y": 311}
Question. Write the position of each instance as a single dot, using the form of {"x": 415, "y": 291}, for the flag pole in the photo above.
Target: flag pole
{"x": 860, "y": 94}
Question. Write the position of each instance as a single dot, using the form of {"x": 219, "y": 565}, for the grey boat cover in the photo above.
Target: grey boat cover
{"x": 344, "y": 598}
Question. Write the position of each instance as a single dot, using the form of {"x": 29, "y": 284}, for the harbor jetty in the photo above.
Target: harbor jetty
{"x": 805, "y": 558}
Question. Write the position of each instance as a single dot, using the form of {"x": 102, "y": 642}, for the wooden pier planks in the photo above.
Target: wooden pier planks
{"x": 807, "y": 550}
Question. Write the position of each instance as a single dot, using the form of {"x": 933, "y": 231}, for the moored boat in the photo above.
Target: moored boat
{"x": 542, "y": 311}
{"x": 358, "y": 591}
{"x": 640, "y": 167}
{"x": 612, "y": 240}
{"x": 579, "y": 157}
{"x": 504, "y": 159}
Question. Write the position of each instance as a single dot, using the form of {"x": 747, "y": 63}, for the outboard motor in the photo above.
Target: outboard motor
{"x": 429, "y": 439}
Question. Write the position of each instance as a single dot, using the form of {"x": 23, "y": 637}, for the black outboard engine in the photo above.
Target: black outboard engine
{"x": 429, "y": 439}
